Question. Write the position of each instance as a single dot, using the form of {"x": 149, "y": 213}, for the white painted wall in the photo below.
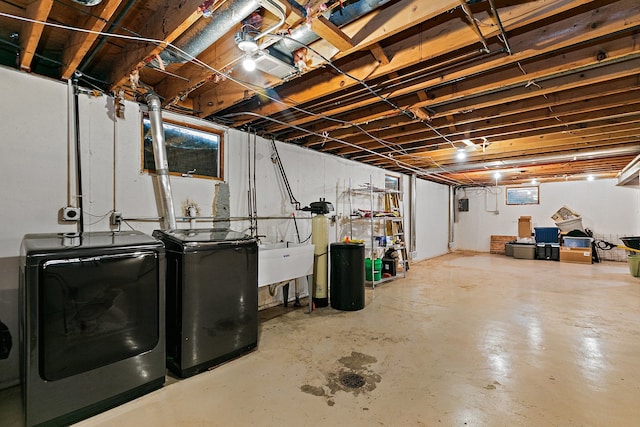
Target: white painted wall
{"x": 432, "y": 220}
{"x": 605, "y": 209}
{"x": 37, "y": 172}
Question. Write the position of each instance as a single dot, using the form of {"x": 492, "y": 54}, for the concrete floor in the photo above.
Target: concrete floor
{"x": 464, "y": 340}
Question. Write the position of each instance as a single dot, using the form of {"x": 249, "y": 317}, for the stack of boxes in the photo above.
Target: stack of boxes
{"x": 522, "y": 249}
{"x": 576, "y": 249}
{"x": 551, "y": 243}
{"x": 573, "y": 249}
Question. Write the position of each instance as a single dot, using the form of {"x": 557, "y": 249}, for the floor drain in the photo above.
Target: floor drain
{"x": 352, "y": 380}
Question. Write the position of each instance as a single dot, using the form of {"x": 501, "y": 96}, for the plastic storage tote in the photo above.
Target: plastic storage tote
{"x": 546, "y": 234}
{"x": 577, "y": 242}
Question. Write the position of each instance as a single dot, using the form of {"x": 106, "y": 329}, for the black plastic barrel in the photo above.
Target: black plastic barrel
{"x": 347, "y": 276}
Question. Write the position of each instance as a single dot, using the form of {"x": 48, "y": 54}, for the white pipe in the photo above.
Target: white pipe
{"x": 161, "y": 163}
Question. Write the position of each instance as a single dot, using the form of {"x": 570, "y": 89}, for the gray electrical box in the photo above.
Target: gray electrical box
{"x": 463, "y": 205}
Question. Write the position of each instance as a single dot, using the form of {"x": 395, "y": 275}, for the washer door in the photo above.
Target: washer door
{"x": 94, "y": 311}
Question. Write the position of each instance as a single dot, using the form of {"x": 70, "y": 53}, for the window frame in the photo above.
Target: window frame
{"x": 514, "y": 195}
{"x": 176, "y": 170}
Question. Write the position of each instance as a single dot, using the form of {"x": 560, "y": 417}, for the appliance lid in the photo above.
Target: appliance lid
{"x": 33, "y": 243}
{"x": 204, "y": 235}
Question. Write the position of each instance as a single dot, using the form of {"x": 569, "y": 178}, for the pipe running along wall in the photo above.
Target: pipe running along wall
{"x": 161, "y": 163}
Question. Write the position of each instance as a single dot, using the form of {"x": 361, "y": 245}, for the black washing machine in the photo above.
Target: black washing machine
{"x": 212, "y": 297}
{"x": 92, "y": 323}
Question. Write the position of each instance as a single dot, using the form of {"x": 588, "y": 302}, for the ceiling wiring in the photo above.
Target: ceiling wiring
{"x": 399, "y": 163}
{"x": 256, "y": 89}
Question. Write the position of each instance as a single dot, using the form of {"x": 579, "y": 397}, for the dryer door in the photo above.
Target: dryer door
{"x": 96, "y": 310}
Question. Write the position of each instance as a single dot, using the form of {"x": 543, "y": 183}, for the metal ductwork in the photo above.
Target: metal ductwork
{"x": 529, "y": 161}
{"x": 207, "y": 31}
{"x": 304, "y": 36}
{"x": 161, "y": 163}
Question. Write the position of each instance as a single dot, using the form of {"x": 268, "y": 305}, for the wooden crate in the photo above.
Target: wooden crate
{"x": 497, "y": 243}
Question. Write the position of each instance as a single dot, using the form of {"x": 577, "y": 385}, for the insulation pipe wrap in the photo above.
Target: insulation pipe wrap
{"x": 161, "y": 163}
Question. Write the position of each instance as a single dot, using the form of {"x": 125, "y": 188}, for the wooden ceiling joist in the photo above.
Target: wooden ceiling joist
{"x": 37, "y": 10}
{"x": 80, "y": 42}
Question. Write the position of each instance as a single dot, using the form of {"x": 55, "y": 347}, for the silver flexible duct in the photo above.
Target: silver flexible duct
{"x": 207, "y": 31}
{"x": 161, "y": 163}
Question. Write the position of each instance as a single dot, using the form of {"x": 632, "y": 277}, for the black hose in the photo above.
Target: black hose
{"x": 292, "y": 198}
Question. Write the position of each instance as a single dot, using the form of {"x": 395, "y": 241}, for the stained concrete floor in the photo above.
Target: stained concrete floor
{"x": 464, "y": 340}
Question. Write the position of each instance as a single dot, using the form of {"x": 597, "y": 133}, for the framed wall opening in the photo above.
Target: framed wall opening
{"x": 192, "y": 151}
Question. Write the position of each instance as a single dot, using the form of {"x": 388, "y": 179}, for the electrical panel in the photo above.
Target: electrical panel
{"x": 463, "y": 205}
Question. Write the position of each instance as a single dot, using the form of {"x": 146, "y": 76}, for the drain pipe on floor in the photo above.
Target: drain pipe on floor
{"x": 161, "y": 163}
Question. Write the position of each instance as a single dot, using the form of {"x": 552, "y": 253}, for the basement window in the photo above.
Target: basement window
{"x": 392, "y": 182}
{"x": 523, "y": 195}
{"x": 192, "y": 151}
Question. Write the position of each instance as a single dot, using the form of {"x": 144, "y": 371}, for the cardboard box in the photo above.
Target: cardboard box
{"x": 524, "y": 226}
{"x": 576, "y": 255}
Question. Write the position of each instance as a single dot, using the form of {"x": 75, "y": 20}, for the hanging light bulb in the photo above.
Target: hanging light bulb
{"x": 461, "y": 154}
{"x": 590, "y": 178}
{"x": 249, "y": 64}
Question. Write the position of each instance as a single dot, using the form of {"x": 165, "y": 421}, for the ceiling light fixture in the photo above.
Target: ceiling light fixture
{"x": 461, "y": 154}
{"x": 590, "y": 178}
{"x": 247, "y": 45}
{"x": 497, "y": 175}
{"x": 249, "y": 64}
{"x": 534, "y": 181}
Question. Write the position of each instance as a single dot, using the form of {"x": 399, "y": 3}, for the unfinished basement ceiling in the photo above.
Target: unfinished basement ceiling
{"x": 545, "y": 90}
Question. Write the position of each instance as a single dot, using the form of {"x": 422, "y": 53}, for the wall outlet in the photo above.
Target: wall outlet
{"x": 70, "y": 213}
{"x": 116, "y": 218}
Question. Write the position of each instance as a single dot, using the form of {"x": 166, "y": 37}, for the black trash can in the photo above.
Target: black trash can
{"x": 347, "y": 276}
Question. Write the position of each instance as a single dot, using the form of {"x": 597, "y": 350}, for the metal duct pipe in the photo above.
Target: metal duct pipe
{"x": 528, "y": 161}
{"x": 161, "y": 163}
{"x": 207, "y": 31}
{"x": 304, "y": 36}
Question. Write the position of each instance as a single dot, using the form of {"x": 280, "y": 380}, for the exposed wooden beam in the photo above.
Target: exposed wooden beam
{"x": 554, "y": 38}
{"x": 166, "y": 24}
{"x": 378, "y": 54}
{"x": 80, "y": 42}
{"x": 393, "y": 19}
{"x": 569, "y": 106}
{"x": 37, "y": 10}
{"x": 331, "y": 33}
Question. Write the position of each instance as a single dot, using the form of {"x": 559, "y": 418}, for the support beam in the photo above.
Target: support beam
{"x": 331, "y": 33}
{"x": 80, "y": 42}
{"x": 38, "y": 10}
